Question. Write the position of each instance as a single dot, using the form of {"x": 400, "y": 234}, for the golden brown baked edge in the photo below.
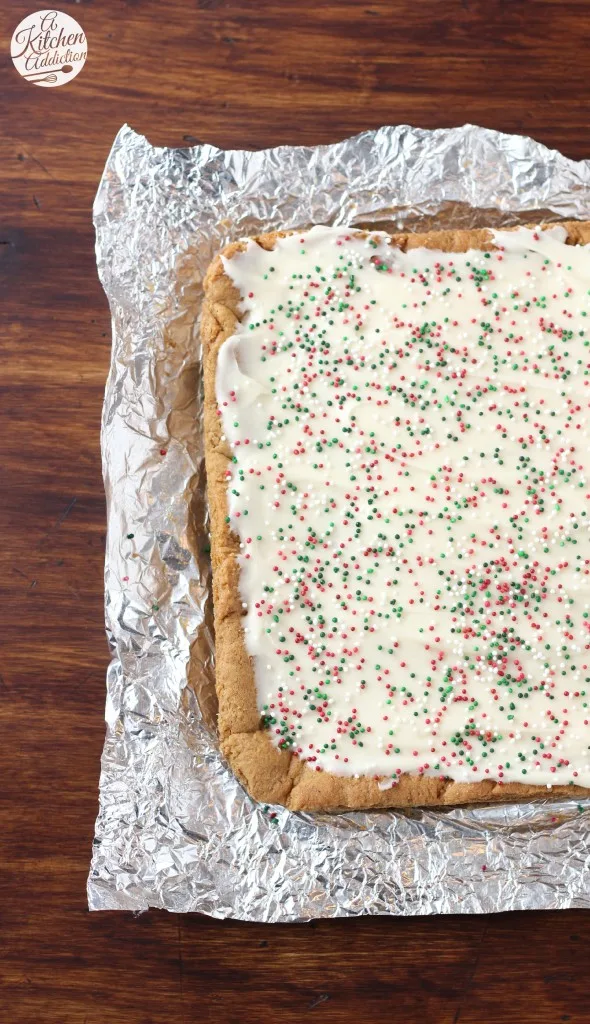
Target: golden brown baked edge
{"x": 270, "y": 775}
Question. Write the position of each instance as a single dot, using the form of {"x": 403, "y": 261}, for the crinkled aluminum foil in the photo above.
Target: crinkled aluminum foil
{"x": 175, "y": 829}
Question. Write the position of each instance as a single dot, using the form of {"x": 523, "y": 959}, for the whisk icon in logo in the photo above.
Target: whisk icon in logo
{"x": 48, "y": 48}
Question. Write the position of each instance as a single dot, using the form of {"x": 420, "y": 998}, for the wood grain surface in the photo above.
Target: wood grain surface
{"x": 236, "y": 74}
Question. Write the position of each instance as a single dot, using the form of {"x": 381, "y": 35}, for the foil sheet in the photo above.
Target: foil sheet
{"x": 175, "y": 829}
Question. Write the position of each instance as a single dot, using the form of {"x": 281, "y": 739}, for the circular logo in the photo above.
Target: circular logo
{"x": 48, "y": 48}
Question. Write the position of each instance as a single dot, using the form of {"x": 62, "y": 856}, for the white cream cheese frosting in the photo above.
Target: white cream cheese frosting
{"x": 410, "y": 489}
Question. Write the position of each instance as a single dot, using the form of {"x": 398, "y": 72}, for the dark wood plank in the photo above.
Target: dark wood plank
{"x": 249, "y": 75}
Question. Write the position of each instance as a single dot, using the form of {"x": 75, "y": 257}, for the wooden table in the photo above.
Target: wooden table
{"x": 248, "y": 74}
